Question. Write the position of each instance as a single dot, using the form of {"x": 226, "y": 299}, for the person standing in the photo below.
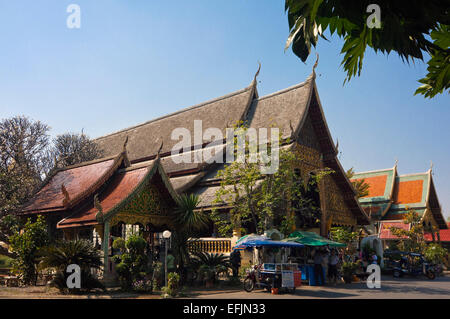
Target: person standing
{"x": 325, "y": 262}
{"x": 235, "y": 259}
{"x": 318, "y": 270}
{"x": 332, "y": 267}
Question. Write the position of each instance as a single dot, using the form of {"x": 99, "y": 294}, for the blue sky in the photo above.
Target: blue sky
{"x": 132, "y": 61}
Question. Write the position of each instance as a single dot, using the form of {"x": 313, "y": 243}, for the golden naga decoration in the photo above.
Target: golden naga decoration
{"x": 99, "y": 215}
{"x": 66, "y": 199}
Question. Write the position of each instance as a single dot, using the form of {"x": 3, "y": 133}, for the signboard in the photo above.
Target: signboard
{"x": 287, "y": 278}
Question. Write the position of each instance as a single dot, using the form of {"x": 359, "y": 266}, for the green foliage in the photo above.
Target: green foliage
{"x": 405, "y": 29}
{"x": 88, "y": 282}
{"x": 348, "y": 270}
{"x": 158, "y": 275}
{"x": 435, "y": 253}
{"x": 413, "y": 238}
{"x": 187, "y": 222}
{"x": 25, "y": 245}
{"x": 361, "y": 187}
{"x": 343, "y": 235}
{"x": 5, "y": 261}
{"x": 262, "y": 199}
{"x": 133, "y": 262}
{"x": 119, "y": 244}
{"x": 142, "y": 286}
{"x": 173, "y": 284}
{"x": 66, "y": 252}
{"x": 210, "y": 265}
{"x": 438, "y": 77}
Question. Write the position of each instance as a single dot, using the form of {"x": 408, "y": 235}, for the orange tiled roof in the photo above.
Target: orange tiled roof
{"x": 408, "y": 192}
{"x": 444, "y": 235}
{"x": 385, "y": 231}
{"x": 377, "y": 185}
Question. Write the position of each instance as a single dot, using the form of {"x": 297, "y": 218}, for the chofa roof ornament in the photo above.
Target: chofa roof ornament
{"x": 125, "y": 153}
{"x": 66, "y": 199}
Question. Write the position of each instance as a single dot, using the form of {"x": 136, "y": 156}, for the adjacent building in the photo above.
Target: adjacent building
{"x": 391, "y": 195}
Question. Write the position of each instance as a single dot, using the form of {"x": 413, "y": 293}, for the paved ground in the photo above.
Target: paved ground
{"x": 402, "y": 288}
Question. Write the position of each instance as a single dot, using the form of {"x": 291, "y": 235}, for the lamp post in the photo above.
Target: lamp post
{"x": 166, "y": 236}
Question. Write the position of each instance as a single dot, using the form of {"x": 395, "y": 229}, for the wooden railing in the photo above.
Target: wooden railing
{"x": 210, "y": 245}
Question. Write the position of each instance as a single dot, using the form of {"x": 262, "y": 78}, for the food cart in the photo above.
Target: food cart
{"x": 312, "y": 241}
{"x": 270, "y": 275}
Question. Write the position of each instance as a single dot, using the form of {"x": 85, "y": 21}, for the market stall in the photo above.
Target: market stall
{"x": 270, "y": 274}
{"x": 313, "y": 243}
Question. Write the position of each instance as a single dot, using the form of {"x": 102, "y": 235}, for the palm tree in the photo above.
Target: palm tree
{"x": 79, "y": 252}
{"x": 360, "y": 185}
{"x": 211, "y": 265}
{"x": 187, "y": 221}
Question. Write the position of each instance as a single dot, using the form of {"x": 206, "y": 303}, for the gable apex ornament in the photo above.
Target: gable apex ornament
{"x": 125, "y": 153}
{"x": 99, "y": 215}
{"x": 160, "y": 147}
{"x": 66, "y": 199}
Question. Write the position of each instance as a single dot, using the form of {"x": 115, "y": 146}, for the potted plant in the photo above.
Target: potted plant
{"x": 348, "y": 270}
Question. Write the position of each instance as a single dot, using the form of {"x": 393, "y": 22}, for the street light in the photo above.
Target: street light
{"x": 166, "y": 235}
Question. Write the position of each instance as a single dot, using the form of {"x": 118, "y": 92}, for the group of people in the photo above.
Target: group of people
{"x": 326, "y": 262}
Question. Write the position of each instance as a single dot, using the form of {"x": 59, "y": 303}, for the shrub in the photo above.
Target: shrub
{"x": 142, "y": 285}
{"x": 435, "y": 253}
{"x": 26, "y": 244}
{"x": 173, "y": 280}
{"x": 132, "y": 264}
{"x": 210, "y": 266}
{"x": 79, "y": 252}
{"x": 119, "y": 244}
{"x": 5, "y": 261}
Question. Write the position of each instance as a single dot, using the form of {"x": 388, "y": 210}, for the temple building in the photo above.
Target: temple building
{"x": 392, "y": 195}
{"x": 135, "y": 185}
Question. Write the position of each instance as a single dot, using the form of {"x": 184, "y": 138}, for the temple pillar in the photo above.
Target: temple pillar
{"x": 323, "y": 207}
{"x": 105, "y": 246}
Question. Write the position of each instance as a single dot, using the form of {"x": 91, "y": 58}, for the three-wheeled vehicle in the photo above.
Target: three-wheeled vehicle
{"x": 270, "y": 275}
{"x": 404, "y": 263}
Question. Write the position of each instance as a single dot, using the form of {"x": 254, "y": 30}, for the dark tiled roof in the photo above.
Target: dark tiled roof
{"x": 144, "y": 140}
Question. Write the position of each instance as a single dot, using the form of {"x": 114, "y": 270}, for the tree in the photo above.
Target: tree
{"x": 187, "y": 221}
{"x": 346, "y": 236}
{"x": 64, "y": 253}
{"x": 411, "y": 240}
{"x": 408, "y": 28}
{"x": 26, "y": 158}
{"x": 70, "y": 149}
{"x": 23, "y": 160}
{"x": 266, "y": 200}
{"x": 25, "y": 244}
{"x": 360, "y": 185}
